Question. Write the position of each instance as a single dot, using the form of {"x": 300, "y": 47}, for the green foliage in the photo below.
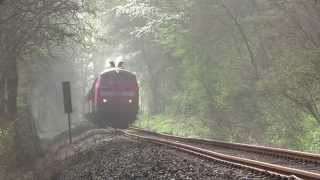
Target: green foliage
{"x": 7, "y": 154}
{"x": 235, "y": 65}
{"x": 311, "y": 139}
{"x": 242, "y": 71}
{"x": 190, "y": 127}
{"x": 3, "y": 136}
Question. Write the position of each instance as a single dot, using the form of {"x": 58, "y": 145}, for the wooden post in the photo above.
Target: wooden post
{"x": 69, "y": 128}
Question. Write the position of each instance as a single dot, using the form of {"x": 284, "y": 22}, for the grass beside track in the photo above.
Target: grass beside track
{"x": 175, "y": 126}
{"x": 193, "y": 127}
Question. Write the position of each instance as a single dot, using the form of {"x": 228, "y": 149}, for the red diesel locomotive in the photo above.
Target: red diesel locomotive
{"x": 114, "y": 98}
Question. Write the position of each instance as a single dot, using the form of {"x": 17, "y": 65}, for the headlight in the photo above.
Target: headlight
{"x": 105, "y": 100}
{"x": 130, "y": 100}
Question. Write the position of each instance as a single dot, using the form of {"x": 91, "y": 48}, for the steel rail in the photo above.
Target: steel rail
{"x": 214, "y": 155}
{"x": 312, "y": 157}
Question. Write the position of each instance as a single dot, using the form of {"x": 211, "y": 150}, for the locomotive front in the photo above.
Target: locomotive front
{"x": 116, "y": 98}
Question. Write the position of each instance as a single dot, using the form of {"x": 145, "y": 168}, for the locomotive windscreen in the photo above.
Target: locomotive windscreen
{"x": 118, "y": 84}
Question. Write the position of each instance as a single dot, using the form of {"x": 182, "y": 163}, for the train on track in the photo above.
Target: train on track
{"x": 113, "y": 99}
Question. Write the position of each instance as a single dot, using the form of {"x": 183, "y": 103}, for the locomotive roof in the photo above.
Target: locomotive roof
{"x": 116, "y": 69}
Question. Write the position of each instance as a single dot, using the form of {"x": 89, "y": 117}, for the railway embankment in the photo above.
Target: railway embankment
{"x": 113, "y": 154}
{"x": 121, "y": 157}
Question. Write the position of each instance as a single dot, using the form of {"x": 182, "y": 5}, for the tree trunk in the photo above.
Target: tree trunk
{"x": 156, "y": 106}
{"x": 2, "y": 98}
{"x": 26, "y": 141}
{"x": 12, "y": 88}
{"x": 244, "y": 38}
{"x": 153, "y": 82}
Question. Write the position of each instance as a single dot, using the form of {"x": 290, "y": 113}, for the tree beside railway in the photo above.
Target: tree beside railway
{"x": 246, "y": 68}
{"x": 246, "y": 71}
{"x": 27, "y": 27}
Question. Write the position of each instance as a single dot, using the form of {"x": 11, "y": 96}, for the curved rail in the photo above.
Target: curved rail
{"x": 165, "y": 139}
{"x": 311, "y": 157}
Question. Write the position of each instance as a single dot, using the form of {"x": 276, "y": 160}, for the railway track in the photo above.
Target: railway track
{"x": 275, "y": 162}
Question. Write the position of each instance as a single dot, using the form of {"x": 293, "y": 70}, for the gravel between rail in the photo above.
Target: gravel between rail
{"x": 312, "y": 166}
{"x": 115, "y": 156}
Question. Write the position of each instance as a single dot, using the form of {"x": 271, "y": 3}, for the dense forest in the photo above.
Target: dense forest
{"x": 235, "y": 70}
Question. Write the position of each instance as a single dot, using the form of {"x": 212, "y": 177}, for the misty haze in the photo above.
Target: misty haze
{"x": 159, "y": 89}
